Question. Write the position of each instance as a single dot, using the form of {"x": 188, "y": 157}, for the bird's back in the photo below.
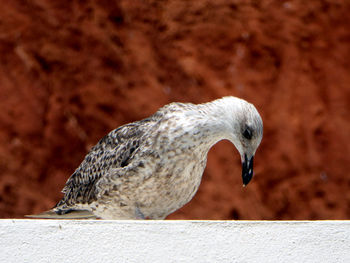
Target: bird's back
{"x": 115, "y": 150}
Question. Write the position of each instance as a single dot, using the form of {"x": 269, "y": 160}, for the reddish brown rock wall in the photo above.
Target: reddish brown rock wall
{"x": 71, "y": 71}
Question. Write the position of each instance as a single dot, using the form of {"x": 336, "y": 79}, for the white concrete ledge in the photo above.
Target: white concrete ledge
{"x": 174, "y": 241}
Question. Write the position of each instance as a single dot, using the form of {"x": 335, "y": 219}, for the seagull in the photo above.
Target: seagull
{"x": 150, "y": 168}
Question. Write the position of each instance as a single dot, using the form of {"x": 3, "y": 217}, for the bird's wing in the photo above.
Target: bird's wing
{"x": 115, "y": 150}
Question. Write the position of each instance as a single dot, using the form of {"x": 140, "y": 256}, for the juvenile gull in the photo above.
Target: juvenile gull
{"x": 150, "y": 168}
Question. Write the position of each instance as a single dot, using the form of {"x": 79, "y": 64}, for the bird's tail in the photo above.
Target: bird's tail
{"x": 72, "y": 214}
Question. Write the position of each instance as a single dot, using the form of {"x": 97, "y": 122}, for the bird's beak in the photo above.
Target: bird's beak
{"x": 247, "y": 169}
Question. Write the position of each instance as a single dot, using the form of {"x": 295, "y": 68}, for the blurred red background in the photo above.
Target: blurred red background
{"x": 71, "y": 71}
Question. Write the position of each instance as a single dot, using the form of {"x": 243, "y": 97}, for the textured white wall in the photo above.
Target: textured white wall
{"x": 174, "y": 241}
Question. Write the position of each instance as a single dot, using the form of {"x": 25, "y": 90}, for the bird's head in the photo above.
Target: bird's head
{"x": 246, "y": 132}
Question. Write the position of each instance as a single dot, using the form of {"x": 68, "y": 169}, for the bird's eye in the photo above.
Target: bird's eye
{"x": 247, "y": 133}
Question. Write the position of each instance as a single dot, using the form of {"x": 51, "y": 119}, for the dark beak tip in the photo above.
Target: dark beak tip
{"x": 246, "y": 180}
{"x": 247, "y": 170}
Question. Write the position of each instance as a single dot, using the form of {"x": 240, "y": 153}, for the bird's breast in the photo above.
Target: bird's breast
{"x": 172, "y": 185}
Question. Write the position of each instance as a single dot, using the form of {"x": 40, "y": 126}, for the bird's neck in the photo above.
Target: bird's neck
{"x": 213, "y": 122}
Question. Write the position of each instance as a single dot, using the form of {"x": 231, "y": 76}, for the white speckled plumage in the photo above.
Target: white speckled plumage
{"x": 151, "y": 168}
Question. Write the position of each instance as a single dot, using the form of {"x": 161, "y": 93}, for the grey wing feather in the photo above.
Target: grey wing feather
{"x": 114, "y": 150}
